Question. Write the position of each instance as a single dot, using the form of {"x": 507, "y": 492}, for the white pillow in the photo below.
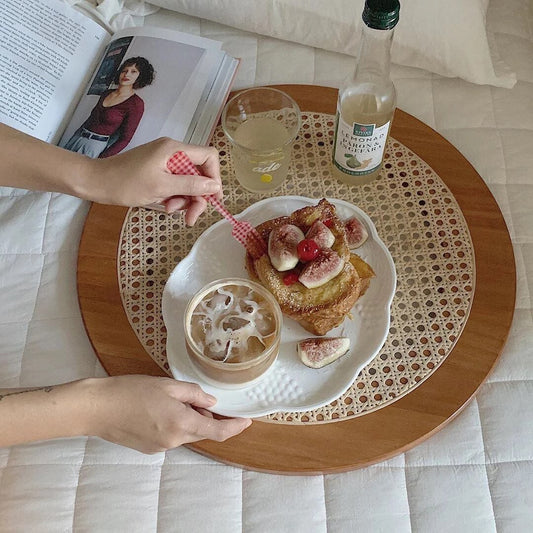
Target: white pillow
{"x": 448, "y": 37}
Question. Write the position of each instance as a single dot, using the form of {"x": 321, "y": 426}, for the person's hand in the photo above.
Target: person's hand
{"x": 153, "y": 414}
{"x": 137, "y": 177}
{"x": 140, "y": 177}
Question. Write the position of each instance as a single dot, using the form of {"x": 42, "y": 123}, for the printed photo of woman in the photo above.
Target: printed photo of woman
{"x": 116, "y": 116}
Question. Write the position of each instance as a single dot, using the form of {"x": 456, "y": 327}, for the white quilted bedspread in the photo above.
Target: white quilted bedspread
{"x": 473, "y": 476}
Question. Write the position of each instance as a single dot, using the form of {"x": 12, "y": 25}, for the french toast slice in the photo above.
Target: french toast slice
{"x": 365, "y": 271}
{"x": 321, "y": 308}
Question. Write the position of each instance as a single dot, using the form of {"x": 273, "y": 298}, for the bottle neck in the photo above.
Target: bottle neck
{"x": 374, "y": 61}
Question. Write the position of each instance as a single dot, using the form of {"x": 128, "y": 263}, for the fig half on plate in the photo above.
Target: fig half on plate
{"x": 317, "y": 352}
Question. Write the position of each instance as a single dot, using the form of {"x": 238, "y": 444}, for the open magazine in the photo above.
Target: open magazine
{"x": 62, "y": 75}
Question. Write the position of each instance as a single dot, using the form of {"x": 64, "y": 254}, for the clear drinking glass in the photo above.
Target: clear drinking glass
{"x": 261, "y": 125}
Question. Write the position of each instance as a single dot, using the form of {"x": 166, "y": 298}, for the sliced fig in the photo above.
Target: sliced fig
{"x": 283, "y": 246}
{"x": 356, "y": 232}
{"x": 321, "y": 234}
{"x": 322, "y": 269}
{"x": 317, "y": 352}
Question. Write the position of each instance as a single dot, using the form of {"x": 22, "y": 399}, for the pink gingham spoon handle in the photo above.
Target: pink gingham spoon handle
{"x": 242, "y": 230}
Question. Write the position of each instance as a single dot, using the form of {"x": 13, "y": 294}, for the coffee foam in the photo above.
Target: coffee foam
{"x": 232, "y": 324}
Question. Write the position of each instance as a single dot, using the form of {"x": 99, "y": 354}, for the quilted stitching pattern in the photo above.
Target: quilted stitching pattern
{"x": 474, "y": 475}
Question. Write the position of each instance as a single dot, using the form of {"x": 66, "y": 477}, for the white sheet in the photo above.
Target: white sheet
{"x": 430, "y": 35}
{"x": 474, "y": 475}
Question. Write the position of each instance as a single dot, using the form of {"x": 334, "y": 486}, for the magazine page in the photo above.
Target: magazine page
{"x": 48, "y": 51}
{"x": 216, "y": 93}
{"x": 148, "y": 84}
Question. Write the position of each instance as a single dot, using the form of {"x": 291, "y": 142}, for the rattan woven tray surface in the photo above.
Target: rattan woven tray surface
{"x": 371, "y": 428}
{"x": 416, "y": 216}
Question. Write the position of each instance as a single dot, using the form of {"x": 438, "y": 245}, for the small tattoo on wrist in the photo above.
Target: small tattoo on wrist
{"x": 44, "y": 389}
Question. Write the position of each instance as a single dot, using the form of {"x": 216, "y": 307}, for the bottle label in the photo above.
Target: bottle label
{"x": 358, "y": 148}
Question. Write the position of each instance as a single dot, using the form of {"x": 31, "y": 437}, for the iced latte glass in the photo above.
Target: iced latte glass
{"x": 232, "y": 332}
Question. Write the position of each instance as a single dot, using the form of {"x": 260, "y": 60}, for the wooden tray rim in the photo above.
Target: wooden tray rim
{"x": 366, "y": 439}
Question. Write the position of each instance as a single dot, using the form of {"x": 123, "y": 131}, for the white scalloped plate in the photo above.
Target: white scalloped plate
{"x": 288, "y": 385}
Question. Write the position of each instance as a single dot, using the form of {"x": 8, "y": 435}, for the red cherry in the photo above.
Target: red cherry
{"x": 290, "y": 278}
{"x": 308, "y": 250}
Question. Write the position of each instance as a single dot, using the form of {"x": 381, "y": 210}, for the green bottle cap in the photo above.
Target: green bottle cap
{"x": 381, "y": 14}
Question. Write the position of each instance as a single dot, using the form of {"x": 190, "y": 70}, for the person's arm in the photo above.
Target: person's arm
{"x": 149, "y": 414}
{"x": 143, "y": 412}
{"x": 136, "y": 177}
{"x": 127, "y": 128}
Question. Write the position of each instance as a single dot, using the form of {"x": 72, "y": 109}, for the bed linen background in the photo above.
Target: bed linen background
{"x": 474, "y": 475}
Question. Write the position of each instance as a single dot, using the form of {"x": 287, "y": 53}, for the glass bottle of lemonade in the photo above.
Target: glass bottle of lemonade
{"x": 367, "y": 99}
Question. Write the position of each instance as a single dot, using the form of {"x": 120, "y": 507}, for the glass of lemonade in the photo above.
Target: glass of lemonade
{"x": 261, "y": 125}
{"x": 232, "y": 332}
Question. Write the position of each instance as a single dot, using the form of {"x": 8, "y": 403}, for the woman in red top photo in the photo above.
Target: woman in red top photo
{"x": 115, "y": 117}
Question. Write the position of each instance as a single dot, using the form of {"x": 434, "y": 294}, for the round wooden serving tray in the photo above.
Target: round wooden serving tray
{"x": 373, "y": 437}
